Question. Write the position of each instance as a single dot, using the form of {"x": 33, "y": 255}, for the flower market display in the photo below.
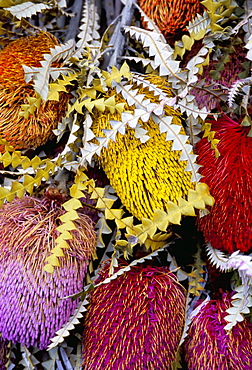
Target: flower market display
{"x": 125, "y": 185}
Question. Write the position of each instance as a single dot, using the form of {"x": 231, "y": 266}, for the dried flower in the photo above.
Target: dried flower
{"x": 209, "y": 346}
{"x": 219, "y": 80}
{"x": 134, "y": 321}
{"x": 36, "y": 130}
{"x": 145, "y": 175}
{"x": 228, "y": 225}
{"x": 31, "y": 304}
{"x": 171, "y": 17}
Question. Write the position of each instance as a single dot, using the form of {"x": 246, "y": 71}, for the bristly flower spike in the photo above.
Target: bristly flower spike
{"x": 144, "y": 175}
{"x": 135, "y": 321}
{"x": 37, "y": 129}
{"x": 228, "y": 225}
{"x": 171, "y": 17}
{"x": 32, "y": 304}
{"x": 209, "y": 346}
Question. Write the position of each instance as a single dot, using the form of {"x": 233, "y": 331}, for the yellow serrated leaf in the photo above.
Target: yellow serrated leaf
{"x": 28, "y": 183}
{"x": 18, "y": 189}
{"x": 80, "y": 177}
{"x": 211, "y": 5}
{"x": 25, "y": 163}
{"x": 160, "y": 218}
{"x": 120, "y": 107}
{"x": 16, "y": 159}
{"x": 49, "y": 166}
{"x": 122, "y": 243}
{"x": 35, "y": 162}
{"x": 204, "y": 191}
{"x": 49, "y": 268}
{"x": 186, "y": 208}
{"x": 3, "y": 192}
{"x": 57, "y": 251}
{"x": 99, "y": 104}
{"x": 54, "y": 89}
{"x": 61, "y": 240}
{"x": 104, "y": 203}
{"x": 66, "y": 226}
{"x": 196, "y": 199}
{"x": 149, "y": 227}
{"x": 69, "y": 216}
{"x": 125, "y": 70}
{"x": 194, "y": 291}
{"x": 187, "y": 41}
{"x": 174, "y": 214}
{"x": 124, "y": 222}
{"x": 53, "y": 260}
{"x": 215, "y": 27}
{"x": 75, "y": 192}
{"x": 110, "y": 103}
{"x": 112, "y": 214}
{"x": 72, "y": 204}
{"x": 199, "y": 35}
{"x": 6, "y": 159}
{"x": 97, "y": 193}
{"x": 138, "y": 232}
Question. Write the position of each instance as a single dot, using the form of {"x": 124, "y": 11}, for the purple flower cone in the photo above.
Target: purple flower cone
{"x": 209, "y": 346}
{"x": 31, "y": 304}
{"x": 134, "y": 322}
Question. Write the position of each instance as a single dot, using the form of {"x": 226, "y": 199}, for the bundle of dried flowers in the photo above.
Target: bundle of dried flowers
{"x": 209, "y": 346}
{"x": 228, "y": 225}
{"x": 171, "y": 17}
{"x": 36, "y": 130}
{"x": 31, "y": 304}
{"x": 134, "y": 322}
{"x": 144, "y": 175}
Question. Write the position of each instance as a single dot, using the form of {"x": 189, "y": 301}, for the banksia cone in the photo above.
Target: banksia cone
{"x": 171, "y": 16}
{"x": 219, "y": 80}
{"x": 31, "y": 304}
{"x": 36, "y": 130}
{"x": 135, "y": 321}
{"x": 209, "y": 346}
{"x": 228, "y": 225}
{"x": 145, "y": 175}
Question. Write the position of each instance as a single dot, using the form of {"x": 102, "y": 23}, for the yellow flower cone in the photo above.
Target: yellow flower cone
{"x": 145, "y": 175}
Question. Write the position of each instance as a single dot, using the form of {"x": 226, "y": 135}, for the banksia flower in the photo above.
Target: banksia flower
{"x": 134, "y": 322}
{"x": 145, "y": 175}
{"x": 171, "y": 17}
{"x": 36, "y": 130}
{"x": 209, "y": 346}
{"x": 228, "y": 225}
{"x": 31, "y": 304}
{"x": 226, "y": 77}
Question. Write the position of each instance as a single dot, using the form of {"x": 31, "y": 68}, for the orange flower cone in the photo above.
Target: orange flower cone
{"x": 171, "y": 16}
{"x": 36, "y": 130}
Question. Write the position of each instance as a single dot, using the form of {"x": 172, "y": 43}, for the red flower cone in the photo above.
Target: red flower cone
{"x": 228, "y": 225}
